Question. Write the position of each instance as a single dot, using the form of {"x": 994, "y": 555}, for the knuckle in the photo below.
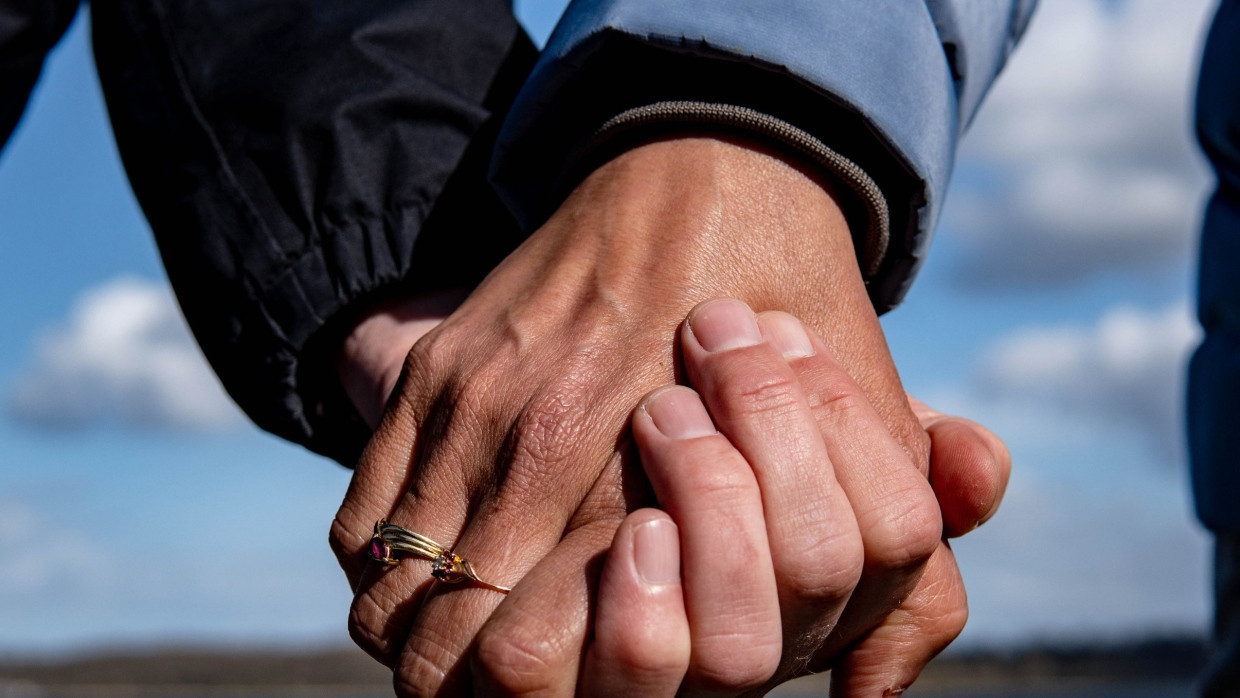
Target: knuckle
{"x": 446, "y": 367}
{"x": 416, "y": 676}
{"x": 373, "y": 616}
{"x": 545, "y": 448}
{"x": 427, "y": 360}
{"x": 516, "y": 660}
{"x": 405, "y": 688}
{"x": 840, "y": 404}
{"x": 430, "y": 355}
{"x": 345, "y": 535}
{"x": 475, "y": 394}
{"x": 917, "y": 443}
{"x": 737, "y": 663}
{"x": 907, "y": 531}
{"x": 364, "y": 635}
{"x": 425, "y": 663}
{"x": 943, "y": 610}
{"x": 761, "y": 393}
{"x": 710, "y": 481}
{"x": 642, "y": 656}
{"x": 342, "y": 539}
{"x": 550, "y": 427}
{"x": 824, "y": 570}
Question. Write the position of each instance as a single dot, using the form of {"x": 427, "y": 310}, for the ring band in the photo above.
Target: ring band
{"x": 446, "y": 566}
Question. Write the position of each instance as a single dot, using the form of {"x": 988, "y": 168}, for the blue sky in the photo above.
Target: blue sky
{"x": 136, "y": 506}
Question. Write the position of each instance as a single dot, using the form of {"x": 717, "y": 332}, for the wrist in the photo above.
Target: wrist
{"x": 369, "y": 361}
{"x": 859, "y": 197}
{"x": 708, "y": 216}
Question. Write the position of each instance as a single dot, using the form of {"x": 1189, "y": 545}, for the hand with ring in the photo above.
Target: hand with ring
{"x": 504, "y": 440}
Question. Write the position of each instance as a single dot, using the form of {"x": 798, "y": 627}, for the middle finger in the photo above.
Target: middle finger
{"x": 895, "y": 507}
{"x": 755, "y": 399}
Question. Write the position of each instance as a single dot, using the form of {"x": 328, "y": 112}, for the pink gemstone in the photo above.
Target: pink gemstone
{"x": 379, "y": 549}
{"x": 443, "y": 567}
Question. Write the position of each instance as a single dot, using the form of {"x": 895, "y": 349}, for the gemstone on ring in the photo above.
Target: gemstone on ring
{"x": 443, "y": 567}
{"x": 380, "y": 551}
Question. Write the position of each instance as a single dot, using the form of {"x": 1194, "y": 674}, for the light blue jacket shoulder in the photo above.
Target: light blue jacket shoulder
{"x": 890, "y": 84}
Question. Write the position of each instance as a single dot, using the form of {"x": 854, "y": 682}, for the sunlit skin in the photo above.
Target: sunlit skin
{"x": 538, "y": 371}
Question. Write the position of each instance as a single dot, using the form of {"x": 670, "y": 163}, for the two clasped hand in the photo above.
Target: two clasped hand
{"x": 504, "y": 440}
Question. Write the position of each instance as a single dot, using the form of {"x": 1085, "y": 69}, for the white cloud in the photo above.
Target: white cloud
{"x": 1128, "y": 369}
{"x": 1093, "y": 539}
{"x": 33, "y": 554}
{"x": 1082, "y": 159}
{"x": 67, "y": 584}
{"x": 124, "y": 356}
{"x": 1058, "y": 562}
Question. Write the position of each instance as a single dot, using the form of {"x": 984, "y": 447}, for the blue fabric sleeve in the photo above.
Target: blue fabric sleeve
{"x": 887, "y": 84}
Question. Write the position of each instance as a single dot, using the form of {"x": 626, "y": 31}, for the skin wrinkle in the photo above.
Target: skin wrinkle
{"x": 893, "y": 536}
{"x": 828, "y": 409}
{"x": 395, "y": 614}
{"x": 548, "y": 427}
{"x": 717, "y": 488}
{"x": 771, "y": 400}
{"x": 553, "y": 586}
{"x": 924, "y": 620}
{"x": 417, "y": 671}
{"x": 806, "y": 578}
{"x": 752, "y": 665}
{"x": 772, "y": 397}
{"x": 897, "y": 510}
{"x": 903, "y": 541}
{"x": 523, "y": 659}
{"x": 699, "y": 474}
{"x": 796, "y": 511}
{"x": 554, "y": 423}
{"x": 612, "y": 496}
{"x": 891, "y": 487}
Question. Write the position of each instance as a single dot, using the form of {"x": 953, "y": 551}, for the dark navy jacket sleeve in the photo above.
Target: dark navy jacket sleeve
{"x": 889, "y": 85}
{"x": 28, "y": 30}
{"x": 1214, "y": 374}
{"x": 298, "y": 160}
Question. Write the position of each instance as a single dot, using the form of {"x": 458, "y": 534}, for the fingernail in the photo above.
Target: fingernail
{"x": 725, "y": 324}
{"x": 678, "y": 413}
{"x": 656, "y": 552}
{"x": 788, "y": 335}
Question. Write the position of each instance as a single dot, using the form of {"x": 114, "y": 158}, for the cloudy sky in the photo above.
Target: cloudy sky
{"x": 1055, "y": 308}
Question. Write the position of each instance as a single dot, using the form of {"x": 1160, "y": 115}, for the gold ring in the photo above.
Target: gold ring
{"x": 446, "y": 566}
